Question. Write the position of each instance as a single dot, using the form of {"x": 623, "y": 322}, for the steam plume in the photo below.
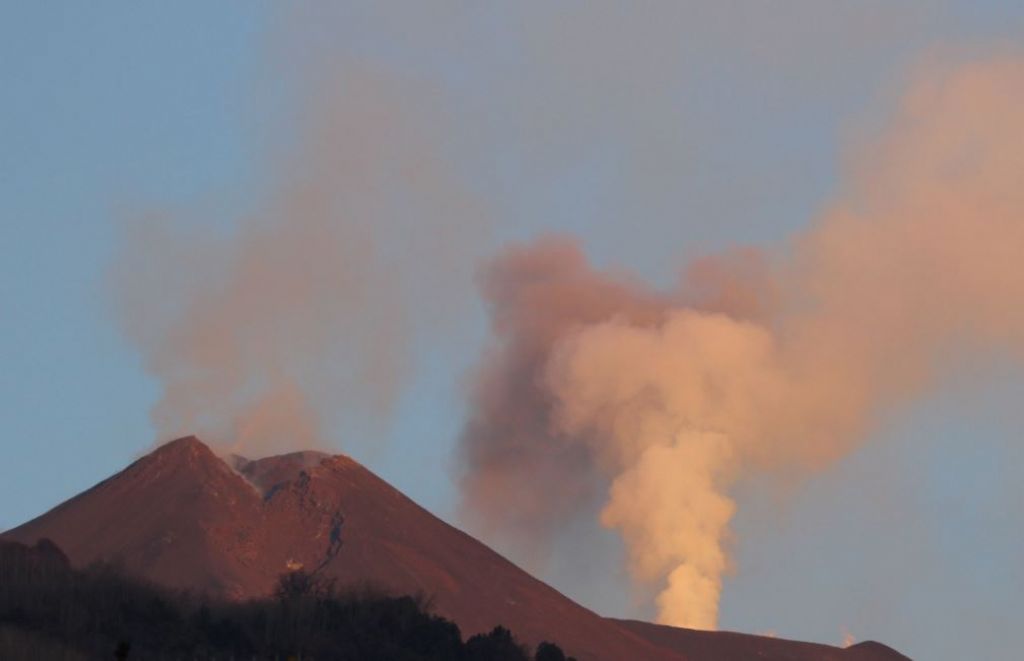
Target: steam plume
{"x": 309, "y": 305}
{"x": 756, "y": 363}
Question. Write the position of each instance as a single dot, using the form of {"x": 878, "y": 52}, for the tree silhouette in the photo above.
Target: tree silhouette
{"x": 49, "y": 610}
{"x": 498, "y": 645}
{"x": 549, "y": 652}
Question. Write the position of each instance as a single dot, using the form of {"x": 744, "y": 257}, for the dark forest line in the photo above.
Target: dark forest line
{"x": 50, "y": 610}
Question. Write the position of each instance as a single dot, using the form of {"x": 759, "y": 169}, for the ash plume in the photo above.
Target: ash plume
{"x": 308, "y": 305}
{"x": 658, "y": 403}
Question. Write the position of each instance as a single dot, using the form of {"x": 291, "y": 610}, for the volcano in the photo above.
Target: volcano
{"x": 185, "y": 518}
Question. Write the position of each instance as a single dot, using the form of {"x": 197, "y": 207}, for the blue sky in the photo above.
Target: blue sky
{"x": 653, "y": 136}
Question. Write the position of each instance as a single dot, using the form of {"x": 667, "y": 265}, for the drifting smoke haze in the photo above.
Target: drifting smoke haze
{"x": 757, "y": 363}
{"x": 597, "y": 391}
{"x": 308, "y": 307}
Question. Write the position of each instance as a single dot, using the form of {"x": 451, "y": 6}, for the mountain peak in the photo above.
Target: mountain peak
{"x": 185, "y": 518}
{"x": 188, "y": 454}
{"x": 185, "y": 444}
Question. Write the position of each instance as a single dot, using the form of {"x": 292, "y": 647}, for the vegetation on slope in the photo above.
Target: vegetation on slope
{"x": 50, "y": 610}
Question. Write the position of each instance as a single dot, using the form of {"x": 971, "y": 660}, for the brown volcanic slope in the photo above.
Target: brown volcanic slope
{"x": 183, "y": 517}
{"x": 730, "y": 646}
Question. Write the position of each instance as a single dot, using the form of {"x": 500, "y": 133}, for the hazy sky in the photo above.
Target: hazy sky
{"x": 653, "y": 135}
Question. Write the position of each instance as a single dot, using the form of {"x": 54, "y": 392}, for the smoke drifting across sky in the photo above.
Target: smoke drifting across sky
{"x": 597, "y": 387}
{"x": 308, "y": 307}
{"x": 756, "y": 363}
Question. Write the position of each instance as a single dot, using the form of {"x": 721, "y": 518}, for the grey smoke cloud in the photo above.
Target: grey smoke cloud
{"x": 308, "y": 306}
{"x": 783, "y": 364}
